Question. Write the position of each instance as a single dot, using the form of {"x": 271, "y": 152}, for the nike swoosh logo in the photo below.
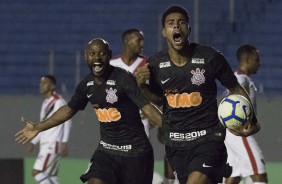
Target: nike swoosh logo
{"x": 204, "y": 165}
{"x": 164, "y": 81}
{"x": 88, "y": 96}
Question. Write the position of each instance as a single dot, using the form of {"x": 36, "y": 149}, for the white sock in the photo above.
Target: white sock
{"x": 259, "y": 183}
{"x": 54, "y": 179}
{"x": 42, "y": 178}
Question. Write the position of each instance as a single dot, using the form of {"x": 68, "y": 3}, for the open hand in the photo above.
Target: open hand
{"x": 27, "y": 133}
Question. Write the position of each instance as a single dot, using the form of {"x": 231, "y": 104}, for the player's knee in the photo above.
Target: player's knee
{"x": 260, "y": 178}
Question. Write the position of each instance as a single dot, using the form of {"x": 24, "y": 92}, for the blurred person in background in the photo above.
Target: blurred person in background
{"x": 131, "y": 58}
{"x": 124, "y": 154}
{"x": 53, "y": 142}
{"x": 244, "y": 154}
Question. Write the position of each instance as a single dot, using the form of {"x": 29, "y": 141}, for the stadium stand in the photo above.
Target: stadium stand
{"x": 31, "y": 30}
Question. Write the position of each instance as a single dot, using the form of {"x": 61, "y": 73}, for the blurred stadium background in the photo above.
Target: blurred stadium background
{"x": 48, "y": 36}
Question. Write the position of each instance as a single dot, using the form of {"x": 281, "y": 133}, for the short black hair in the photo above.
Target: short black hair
{"x": 50, "y": 77}
{"x": 129, "y": 31}
{"x": 245, "y": 49}
{"x": 175, "y": 9}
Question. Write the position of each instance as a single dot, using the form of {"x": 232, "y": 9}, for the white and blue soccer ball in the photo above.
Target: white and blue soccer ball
{"x": 234, "y": 111}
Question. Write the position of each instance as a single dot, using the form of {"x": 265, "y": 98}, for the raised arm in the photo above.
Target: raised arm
{"x": 143, "y": 75}
{"x": 31, "y": 129}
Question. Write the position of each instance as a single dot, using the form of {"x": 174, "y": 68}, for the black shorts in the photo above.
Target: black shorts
{"x": 116, "y": 169}
{"x": 208, "y": 158}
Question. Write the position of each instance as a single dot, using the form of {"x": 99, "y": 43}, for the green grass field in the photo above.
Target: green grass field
{"x": 71, "y": 169}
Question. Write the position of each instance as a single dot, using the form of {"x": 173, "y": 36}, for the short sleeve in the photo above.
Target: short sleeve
{"x": 223, "y": 71}
{"x": 79, "y": 100}
{"x": 132, "y": 90}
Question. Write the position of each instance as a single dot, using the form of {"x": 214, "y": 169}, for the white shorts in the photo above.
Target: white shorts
{"x": 244, "y": 155}
{"x": 47, "y": 161}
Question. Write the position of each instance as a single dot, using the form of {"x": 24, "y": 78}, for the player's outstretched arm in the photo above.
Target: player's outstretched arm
{"x": 27, "y": 133}
{"x": 31, "y": 129}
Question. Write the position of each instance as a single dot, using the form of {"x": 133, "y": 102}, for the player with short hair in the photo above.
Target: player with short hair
{"x": 124, "y": 154}
{"x": 131, "y": 58}
{"x": 244, "y": 154}
{"x": 53, "y": 142}
{"x": 184, "y": 76}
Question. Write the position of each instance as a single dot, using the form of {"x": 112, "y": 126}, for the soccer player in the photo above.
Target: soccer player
{"x": 124, "y": 154}
{"x": 184, "y": 76}
{"x": 131, "y": 58}
{"x": 53, "y": 142}
{"x": 244, "y": 154}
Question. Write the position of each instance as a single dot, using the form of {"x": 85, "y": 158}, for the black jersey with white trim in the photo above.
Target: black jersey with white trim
{"x": 189, "y": 92}
{"x": 116, "y": 102}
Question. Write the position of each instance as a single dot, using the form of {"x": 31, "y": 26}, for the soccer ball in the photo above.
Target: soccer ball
{"x": 233, "y": 111}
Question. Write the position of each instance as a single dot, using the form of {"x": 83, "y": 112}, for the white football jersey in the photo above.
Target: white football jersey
{"x": 244, "y": 154}
{"x": 249, "y": 85}
{"x": 60, "y": 133}
{"x": 140, "y": 61}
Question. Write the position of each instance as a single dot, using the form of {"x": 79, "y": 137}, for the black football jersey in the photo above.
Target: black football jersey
{"x": 116, "y": 102}
{"x": 189, "y": 92}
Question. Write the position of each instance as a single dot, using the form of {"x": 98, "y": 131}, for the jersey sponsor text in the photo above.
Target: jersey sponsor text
{"x": 190, "y": 136}
{"x": 108, "y": 115}
{"x": 124, "y": 148}
{"x": 184, "y": 99}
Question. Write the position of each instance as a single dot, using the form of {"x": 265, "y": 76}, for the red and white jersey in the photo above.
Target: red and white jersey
{"x": 118, "y": 62}
{"x": 244, "y": 154}
{"x": 140, "y": 61}
{"x": 60, "y": 133}
{"x": 248, "y": 84}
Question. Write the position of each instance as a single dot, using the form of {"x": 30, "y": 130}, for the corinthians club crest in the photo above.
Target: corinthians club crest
{"x": 111, "y": 95}
{"x": 198, "y": 77}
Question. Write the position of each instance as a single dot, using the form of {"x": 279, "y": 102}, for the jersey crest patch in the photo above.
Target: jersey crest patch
{"x": 111, "y": 95}
{"x": 198, "y": 77}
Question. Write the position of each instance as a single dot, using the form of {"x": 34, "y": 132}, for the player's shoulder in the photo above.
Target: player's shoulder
{"x": 87, "y": 81}
{"x": 58, "y": 99}
{"x": 209, "y": 55}
{"x": 159, "y": 57}
{"x": 121, "y": 75}
{"x": 205, "y": 50}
